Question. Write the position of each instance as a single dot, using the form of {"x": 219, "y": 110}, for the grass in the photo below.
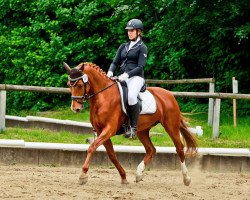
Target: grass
{"x": 230, "y": 137}
{"x": 41, "y": 135}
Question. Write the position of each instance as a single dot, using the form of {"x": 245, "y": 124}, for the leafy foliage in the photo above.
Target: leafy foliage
{"x": 185, "y": 39}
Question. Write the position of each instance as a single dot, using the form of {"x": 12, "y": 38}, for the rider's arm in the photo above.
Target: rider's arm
{"x": 117, "y": 59}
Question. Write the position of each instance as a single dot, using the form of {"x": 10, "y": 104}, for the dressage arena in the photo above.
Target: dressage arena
{"x": 47, "y": 182}
{"x": 29, "y": 173}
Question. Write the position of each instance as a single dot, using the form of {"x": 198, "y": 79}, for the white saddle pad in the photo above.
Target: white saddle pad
{"x": 148, "y": 101}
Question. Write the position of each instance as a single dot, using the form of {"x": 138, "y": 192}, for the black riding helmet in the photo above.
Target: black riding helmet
{"x": 134, "y": 24}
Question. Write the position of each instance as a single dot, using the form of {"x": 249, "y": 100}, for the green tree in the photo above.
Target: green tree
{"x": 185, "y": 39}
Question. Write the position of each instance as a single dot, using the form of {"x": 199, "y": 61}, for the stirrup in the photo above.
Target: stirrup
{"x": 131, "y": 133}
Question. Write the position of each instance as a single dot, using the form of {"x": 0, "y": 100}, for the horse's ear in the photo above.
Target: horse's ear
{"x": 81, "y": 66}
{"x": 66, "y": 66}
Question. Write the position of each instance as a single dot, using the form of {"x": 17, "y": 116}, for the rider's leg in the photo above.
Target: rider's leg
{"x": 134, "y": 85}
{"x": 133, "y": 112}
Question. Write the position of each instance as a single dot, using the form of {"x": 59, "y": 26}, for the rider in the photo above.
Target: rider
{"x": 131, "y": 57}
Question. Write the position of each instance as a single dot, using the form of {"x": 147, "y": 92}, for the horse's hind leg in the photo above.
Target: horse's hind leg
{"x": 180, "y": 152}
{"x": 112, "y": 156}
{"x": 150, "y": 152}
{"x": 173, "y": 130}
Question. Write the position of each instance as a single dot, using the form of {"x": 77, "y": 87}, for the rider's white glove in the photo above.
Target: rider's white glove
{"x": 123, "y": 77}
{"x": 110, "y": 74}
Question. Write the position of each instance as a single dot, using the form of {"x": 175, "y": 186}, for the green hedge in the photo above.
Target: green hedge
{"x": 185, "y": 39}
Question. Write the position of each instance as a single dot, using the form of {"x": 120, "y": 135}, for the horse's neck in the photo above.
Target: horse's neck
{"x": 99, "y": 91}
{"x": 97, "y": 80}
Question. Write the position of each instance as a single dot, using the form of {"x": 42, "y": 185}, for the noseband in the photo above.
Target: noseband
{"x": 85, "y": 96}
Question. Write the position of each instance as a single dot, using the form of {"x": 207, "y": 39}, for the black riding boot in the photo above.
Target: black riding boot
{"x": 133, "y": 114}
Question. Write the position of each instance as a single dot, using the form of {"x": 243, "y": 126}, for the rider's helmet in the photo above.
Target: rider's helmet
{"x": 135, "y": 24}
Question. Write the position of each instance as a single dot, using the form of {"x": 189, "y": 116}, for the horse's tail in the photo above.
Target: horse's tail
{"x": 189, "y": 138}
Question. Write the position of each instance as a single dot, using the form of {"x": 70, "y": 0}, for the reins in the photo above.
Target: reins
{"x": 85, "y": 81}
{"x": 90, "y": 96}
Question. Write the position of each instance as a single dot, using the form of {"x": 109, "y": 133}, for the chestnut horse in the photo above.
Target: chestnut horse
{"x": 88, "y": 81}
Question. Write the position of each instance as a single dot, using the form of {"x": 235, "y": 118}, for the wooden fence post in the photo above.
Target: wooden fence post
{"x": 216, "y": 118}
{"x": 211, "y": 105}
{"x": 2, "y": 109}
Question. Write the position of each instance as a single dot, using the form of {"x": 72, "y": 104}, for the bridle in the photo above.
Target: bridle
{"x": 84, "y": 78}
{"x": 85, "y": 96}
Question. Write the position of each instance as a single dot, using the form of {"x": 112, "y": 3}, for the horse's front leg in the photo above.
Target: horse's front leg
{"x": 150, "y": 152}
{"x": 103, "y": 137}
{"x": 112, "y": 156}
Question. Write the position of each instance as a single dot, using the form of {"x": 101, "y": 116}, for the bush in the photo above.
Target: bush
{"x": 185, "y": 39}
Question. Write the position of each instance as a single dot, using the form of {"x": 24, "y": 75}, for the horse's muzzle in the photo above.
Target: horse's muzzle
{"x": 76, "y": 107}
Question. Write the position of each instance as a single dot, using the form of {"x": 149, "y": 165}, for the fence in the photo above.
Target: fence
{"x": 214, "y": 98}
{"x": 211, "y": 82}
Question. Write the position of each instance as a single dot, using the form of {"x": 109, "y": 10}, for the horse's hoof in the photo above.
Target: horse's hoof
{"x": 187, "y": 181}
{"x": 124, "y": 181}
{"x": 138, "y": 178}
{"x": 83, "y": 179}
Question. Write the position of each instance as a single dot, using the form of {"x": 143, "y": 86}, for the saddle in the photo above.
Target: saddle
{"x": 145, "y": 99}
{"x": 146, "y": 102}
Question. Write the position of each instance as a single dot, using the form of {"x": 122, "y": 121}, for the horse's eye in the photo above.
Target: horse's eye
{"x": 80, "y": 85}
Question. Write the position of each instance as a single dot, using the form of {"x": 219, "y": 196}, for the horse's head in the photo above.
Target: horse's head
{"x": 79, "y": 86}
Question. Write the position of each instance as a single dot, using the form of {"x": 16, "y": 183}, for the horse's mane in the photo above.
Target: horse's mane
{"x": 95, "y": 67}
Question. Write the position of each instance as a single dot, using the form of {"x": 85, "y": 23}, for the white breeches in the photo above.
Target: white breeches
{"x": 134, "y": 85}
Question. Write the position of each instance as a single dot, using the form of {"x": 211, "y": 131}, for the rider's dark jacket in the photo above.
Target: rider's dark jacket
{"x": 131, "y": 61}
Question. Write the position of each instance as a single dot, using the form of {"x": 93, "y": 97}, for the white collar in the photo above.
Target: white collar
{"x": 132, "y": 43}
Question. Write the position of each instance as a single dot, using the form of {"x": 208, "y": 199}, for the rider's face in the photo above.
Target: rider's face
{"x": 132, "y": 34}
